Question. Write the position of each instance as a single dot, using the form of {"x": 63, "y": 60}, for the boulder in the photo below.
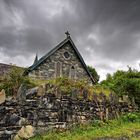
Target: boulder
{"x": 41, "y": 90}
{"x": 22, "y": 121}
{"x": 25, "y": 132}
{"x": 2, "y": 96}
{"x": 31, "y": 92}
{"x": 21, "y": 94}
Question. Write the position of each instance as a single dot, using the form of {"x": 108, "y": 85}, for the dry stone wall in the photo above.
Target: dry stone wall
{"x": 43, "y": 111}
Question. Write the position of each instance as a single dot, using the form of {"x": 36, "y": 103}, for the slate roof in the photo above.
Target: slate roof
{"x": 68, "y": 39}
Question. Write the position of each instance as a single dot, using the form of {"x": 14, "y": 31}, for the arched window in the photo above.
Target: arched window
{"x": 72, "y": 72}
{"x": 58, "y": 69}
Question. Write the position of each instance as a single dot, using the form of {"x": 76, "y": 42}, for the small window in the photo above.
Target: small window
{"x": 72, "y": 72}
{"x": 66, "y": 55}
{"x": 58, "y": 69}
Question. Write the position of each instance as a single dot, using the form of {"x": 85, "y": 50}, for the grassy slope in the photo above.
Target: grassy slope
{"x": 111, "y": 129}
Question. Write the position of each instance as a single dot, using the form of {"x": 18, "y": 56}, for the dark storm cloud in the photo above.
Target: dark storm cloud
{"x": 118, "y": 24}
{"x": 103, "y": 30}
{"x": 32, "y": 26}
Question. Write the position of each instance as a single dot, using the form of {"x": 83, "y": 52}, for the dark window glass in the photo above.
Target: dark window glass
{"x": 72, "y": 67}
{"x": 66, "y": 54}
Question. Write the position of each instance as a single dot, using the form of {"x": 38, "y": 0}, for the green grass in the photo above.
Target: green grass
{"x": 113, "y": 129}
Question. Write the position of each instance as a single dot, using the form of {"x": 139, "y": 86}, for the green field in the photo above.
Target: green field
{"x": 112, "y": 129}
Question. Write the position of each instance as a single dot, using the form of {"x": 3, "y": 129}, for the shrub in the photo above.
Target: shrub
{"x": 131, "y": 117}
{"x": 12, "y": 81}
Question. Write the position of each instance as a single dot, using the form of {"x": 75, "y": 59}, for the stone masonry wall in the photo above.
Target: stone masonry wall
{"x": 49, "y": 111}
{"x": 47, "y": 70}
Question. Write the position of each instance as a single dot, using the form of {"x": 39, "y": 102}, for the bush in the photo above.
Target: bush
{"x": 12, "y": 81}
{"x": 94, "y": 74}
{"x": 131, "y": 117}
{"x": 125, "y": 83}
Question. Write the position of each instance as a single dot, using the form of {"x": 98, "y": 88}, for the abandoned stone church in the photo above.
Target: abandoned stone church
{"x": 63, "y": 60}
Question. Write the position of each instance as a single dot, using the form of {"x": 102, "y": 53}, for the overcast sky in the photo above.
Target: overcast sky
{"x": 106, "y": 32}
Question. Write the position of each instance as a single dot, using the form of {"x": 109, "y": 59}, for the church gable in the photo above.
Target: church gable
{"x": 64, "y": 60}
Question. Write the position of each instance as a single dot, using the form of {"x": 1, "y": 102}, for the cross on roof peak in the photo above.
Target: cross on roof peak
{"x": 67, "y": 34}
